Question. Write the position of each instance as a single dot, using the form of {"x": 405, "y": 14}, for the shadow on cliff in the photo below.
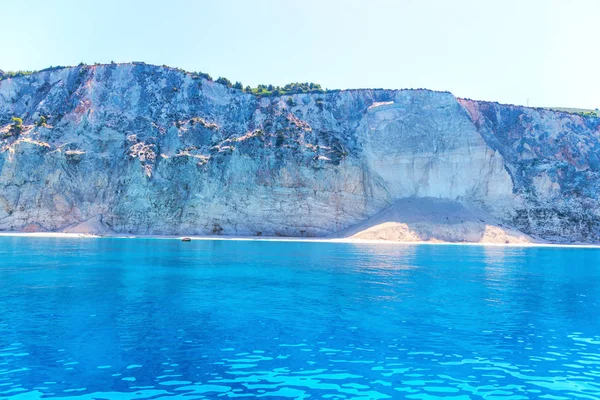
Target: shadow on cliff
{"x": 435, "y": 220}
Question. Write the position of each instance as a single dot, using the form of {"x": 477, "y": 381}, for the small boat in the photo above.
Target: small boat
{"x": 186, "y": 239}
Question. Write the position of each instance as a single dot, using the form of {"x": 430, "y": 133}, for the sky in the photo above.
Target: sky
{"x": 528, "y": 52}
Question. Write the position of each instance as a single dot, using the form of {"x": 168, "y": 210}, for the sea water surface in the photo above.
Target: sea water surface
{"x": 162, "y": 319}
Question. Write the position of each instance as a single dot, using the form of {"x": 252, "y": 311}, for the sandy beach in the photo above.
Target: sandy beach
{"x": 63, "y": 235}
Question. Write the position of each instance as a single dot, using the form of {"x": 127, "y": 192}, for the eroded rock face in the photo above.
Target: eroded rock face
{"x": 153, "y": 150}
{"x": 554, "y": 161}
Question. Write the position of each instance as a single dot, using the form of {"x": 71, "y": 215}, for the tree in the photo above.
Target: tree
{"x": 238, "y": 85}
{"x": 224, "y": 81}
{"x": 204, "y": 75}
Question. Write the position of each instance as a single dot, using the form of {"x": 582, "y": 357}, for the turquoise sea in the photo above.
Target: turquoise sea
{"x": 162, "y": 319}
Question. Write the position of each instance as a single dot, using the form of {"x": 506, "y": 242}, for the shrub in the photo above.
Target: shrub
{"x": 290, "y": 102}
{"x": 41, "y": 121}
{"x": 238, "y": 85}
{"x": 17, "y": 125}
{"x": 280, "y": 139}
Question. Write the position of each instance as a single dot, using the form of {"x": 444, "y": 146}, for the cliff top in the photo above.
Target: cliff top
{"x": 268, "y": 90}
{"x": 262, "y": 90}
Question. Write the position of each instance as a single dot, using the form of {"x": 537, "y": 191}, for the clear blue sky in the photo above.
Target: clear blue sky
{"x": 541, "y": 52}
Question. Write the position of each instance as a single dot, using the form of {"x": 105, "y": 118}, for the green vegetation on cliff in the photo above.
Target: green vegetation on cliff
{"x": 290, "y": 88}
{"x": 260, "y": 91}
{"x": 581, "y": 111}
{"x": 20, "y": 73}
{"x": 265, "y": 90}
{"x": 14, "y": 74}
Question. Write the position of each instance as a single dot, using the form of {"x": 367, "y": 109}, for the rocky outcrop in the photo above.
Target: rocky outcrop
{"x": 136, "y": 148}
{"x": 553, "y": 159}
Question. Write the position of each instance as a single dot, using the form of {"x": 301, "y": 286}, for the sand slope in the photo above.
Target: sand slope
{"x": 435, "y": 220}
{"x": 93, "y": 226}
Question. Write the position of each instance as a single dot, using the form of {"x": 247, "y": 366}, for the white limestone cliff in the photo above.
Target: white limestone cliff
{"x": 141, "y": 149}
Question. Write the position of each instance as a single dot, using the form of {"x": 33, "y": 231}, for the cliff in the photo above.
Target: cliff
{"x": 135, "y": 148}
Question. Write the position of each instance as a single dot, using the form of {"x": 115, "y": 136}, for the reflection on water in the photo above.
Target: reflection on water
{"x": 141, "y": 319}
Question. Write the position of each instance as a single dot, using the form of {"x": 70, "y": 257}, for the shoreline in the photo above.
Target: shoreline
{"x": 349, "y": 240}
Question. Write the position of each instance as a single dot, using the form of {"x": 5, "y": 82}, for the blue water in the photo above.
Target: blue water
{"x": 161, "y": 319}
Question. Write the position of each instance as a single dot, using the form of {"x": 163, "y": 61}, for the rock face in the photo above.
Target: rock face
{"x": 135, "y": 148}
